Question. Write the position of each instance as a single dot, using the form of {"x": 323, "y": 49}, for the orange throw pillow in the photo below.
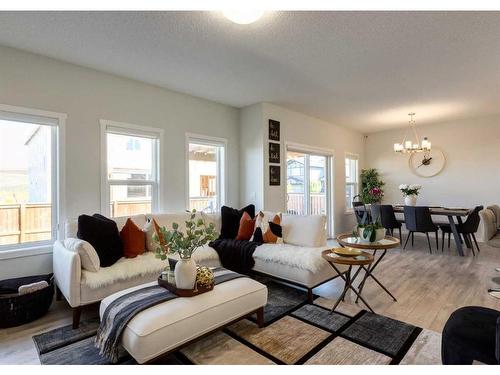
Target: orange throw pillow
{"x": 133, "y": 238}
{"x": 246, "y": 228}
{"x": 269, "y": 236}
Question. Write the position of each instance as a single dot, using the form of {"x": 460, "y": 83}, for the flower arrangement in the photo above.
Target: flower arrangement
{"x": 197, "y": 234}
{"x": 408, "y": 190}
{"x": 371, "y": 186}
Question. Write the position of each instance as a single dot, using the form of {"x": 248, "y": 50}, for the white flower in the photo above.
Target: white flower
{"x": 403, "y": 186}
{"x": 415, "y": 187}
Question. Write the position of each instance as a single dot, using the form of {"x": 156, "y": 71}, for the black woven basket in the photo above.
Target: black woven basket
{"x": 20, "y": 309}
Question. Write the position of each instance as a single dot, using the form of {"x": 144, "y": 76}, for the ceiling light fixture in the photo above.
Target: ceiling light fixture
{"x": 243, "y": 16}
{"x": 409, "y": 147}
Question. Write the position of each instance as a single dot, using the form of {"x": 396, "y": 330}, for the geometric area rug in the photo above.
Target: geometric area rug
{"x": 295, "y": 333}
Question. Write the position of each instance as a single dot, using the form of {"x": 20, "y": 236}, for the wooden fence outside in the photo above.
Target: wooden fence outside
{"x": 296, "y": 205}
{"x": 25, "y": 223}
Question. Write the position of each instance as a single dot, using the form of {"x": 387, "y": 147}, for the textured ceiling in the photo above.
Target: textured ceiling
{"x": 364, "y": 70}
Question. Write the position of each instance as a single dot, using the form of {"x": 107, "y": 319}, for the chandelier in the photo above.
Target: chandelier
{"x": 410, "y": 147}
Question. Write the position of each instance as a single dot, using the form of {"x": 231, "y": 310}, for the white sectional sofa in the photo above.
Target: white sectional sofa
{"x": 297, "y": 261}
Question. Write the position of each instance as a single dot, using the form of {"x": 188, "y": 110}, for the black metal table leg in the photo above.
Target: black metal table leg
{"x": 369, "y": 273}
{"x": 456, "y": 236}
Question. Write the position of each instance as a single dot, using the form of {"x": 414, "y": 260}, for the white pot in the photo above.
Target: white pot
{"x": 379, "y": 235}
{"x": 411, "y": 200}
{"x": 185, "y": 273}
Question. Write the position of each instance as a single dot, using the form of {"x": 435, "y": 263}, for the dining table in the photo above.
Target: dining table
{"x": 451, "y": 213}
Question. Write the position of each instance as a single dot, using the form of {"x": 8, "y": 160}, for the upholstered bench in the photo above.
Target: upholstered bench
{"x": 173, "y": 324}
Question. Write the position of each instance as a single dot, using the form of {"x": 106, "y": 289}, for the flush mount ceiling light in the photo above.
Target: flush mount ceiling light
{"x": 243, "y": 16}
{"x": 407, "y": 146}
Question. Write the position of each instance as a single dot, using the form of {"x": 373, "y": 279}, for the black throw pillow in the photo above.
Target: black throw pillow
{"x": 102, "y": 233}
{"x": 276, "y": 229}
{"x": 231, "y": 220}
{"x": 257, "y": 236}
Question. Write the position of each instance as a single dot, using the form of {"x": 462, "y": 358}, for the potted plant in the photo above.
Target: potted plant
{"x": 410, "y": 193}
{"x": 371, "y": 232}
{"x": 185, "y": 243}
{"x": 371, "y": 186}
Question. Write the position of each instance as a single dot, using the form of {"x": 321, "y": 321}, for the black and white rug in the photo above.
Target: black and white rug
{"x": 295, "y": 333}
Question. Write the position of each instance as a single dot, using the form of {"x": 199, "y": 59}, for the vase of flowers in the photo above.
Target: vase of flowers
{"x": 185, "y": 243}
{"x": 410, "y": 193}
{"x": 372, "y": 187}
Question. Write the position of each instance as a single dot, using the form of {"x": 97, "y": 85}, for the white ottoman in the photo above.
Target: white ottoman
{"x": 172, "y": 324}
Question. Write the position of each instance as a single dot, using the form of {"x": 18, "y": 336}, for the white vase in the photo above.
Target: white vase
{"x": 411, "y": 200}
{"x": 185, "y": 273}
{"x": 379, "y": 234}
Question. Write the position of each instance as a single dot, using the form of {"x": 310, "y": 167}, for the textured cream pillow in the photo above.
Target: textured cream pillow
{"x": 88, "y": 255}
{"x": 308, "y": 231}
{"x": 149, "y": 229}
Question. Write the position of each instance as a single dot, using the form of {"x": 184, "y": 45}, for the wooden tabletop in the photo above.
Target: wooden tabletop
{"x": 348, "y": 240}
{"x": 360, "y": 260}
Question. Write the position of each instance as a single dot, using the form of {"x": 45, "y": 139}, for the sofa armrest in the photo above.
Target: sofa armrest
{"x": 67, "y": 269}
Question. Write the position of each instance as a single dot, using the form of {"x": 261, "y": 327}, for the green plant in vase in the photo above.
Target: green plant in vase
{"x": 370, "y": 232}
{"x": 185, "y": 242}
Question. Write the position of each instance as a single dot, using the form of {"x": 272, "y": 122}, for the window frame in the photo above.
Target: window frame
{"x": 115, "y": 127}
{"x": 351, "y": 156}
{"x": 58, "y": 123}
{"x": 221, "y": 180}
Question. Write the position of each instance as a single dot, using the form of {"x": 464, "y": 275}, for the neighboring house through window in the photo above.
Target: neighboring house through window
{"x": 30, "y": 161}
{"x": 206, "y": 182}
{"x": 130, "y": 176}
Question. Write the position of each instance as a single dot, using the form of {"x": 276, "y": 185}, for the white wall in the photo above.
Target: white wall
{"x": 86, "y": 96}
{"x": 472, "y": 172}
{"x": 295, "y": 128}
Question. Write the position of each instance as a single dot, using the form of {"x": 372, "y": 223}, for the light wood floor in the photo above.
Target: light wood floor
{"x": 428, "y": 288}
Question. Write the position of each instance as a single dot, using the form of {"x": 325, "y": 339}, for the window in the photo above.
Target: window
{"x": 29, "y": 178}
{"x": 131, "y": 178}
{"x": 308, "y": 186}
{"x": 205, "y": 173}
{"x": 351, "y": 179}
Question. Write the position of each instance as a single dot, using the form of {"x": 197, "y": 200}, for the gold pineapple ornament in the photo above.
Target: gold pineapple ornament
{"x": 204, "y": 277}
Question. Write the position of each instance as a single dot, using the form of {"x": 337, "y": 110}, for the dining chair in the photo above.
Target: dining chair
{"x": 385, "y": 214}
{"x": 361, "y": 212}
{"x": 467, "y": 229}
{"x": 418, "y": 219}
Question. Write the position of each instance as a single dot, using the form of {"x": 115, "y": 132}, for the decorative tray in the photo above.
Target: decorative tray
{"x": 183, "y": 292}
{"x": 346, "y": 251}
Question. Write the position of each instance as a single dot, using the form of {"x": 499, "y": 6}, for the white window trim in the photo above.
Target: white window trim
{"x": 352, "y": 156}
{"x": 222, "y": 181}
{"x": 330, "y": 195}
{"x": 130, "y": 129}
{"x": 58, "y": 120}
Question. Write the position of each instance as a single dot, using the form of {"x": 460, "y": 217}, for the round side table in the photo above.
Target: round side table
{"x": 389, "y": 242}
{"x": 362, "y": 260}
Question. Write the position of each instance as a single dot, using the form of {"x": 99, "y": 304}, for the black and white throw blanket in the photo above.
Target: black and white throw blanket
{"x": 235, "y": 255}
{"x": 121, "y": 311}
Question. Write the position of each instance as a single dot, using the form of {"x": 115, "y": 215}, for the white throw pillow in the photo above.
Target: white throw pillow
{"x": 307, "y": 231}
{"x": 88, "y": 255}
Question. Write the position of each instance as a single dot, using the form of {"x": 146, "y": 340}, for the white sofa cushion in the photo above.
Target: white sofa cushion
{"x": 215, "y": 219}
{"x": 489, "y": 224}
{"x": 88, "y": 256}
{"x": 170, "y": 324}
{"x": 308, "y": 231}
{"x": 167, "y": 220}
{"x": 496, "y": 210}
{"x": 124, "y": 269}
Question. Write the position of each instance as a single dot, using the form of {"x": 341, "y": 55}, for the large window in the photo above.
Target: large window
{"x": 308, "y": 183}
{"x": 131, "y": 168}
{"x": 351, "y": 179}
{"x": 29, "y": 176}
{"x": 205, "y": 173}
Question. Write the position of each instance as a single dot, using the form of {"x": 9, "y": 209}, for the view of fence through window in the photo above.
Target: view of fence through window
{"x": 130, "y": 162}
{"x": 306, "y": 184}
{"x": 203, "y": 176}
{"x": 25, "y": 182}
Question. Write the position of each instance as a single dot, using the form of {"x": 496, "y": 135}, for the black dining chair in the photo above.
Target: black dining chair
{"x": 361, "y": 212}
{"x": 467, "y": 229}
{"x": 384, "y": 213}
{"x": 418, "y": 219}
